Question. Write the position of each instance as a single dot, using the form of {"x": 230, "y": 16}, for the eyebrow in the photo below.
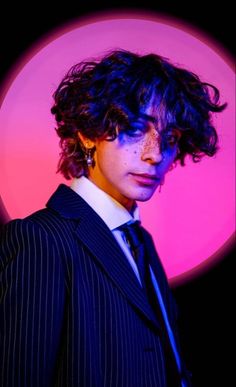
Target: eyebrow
{"x": 147, "y": 117}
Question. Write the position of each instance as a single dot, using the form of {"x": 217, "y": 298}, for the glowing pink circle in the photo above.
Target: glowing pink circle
{"x": 192, "y": 220}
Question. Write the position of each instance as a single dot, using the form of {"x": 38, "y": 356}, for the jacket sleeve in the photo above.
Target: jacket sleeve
{"x": 32, "y": 295}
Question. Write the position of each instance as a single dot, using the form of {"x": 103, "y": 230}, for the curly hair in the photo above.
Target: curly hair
{"x": 98, "y": 96}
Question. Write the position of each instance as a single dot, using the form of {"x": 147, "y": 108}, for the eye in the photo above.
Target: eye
{"x": 136, "y": 130}
{"x": 172, "y": 138}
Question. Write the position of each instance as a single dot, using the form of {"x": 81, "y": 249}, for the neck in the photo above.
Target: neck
{"x": 129, "y": 204}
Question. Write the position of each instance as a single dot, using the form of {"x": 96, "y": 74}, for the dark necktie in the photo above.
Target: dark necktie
{"x": 134, "y": 238}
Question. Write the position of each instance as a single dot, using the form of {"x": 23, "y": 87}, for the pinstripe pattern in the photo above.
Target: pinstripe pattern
{"x": 71, "y": 310}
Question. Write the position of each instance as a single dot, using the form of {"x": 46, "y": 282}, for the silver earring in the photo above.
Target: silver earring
{"x": 161, "y": 184}
{"x": 88, "y": 157}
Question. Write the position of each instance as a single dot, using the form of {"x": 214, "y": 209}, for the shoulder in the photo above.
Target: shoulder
{"x": 39, "y": 234}
{"x": 45, "y": 222}
{"x": 32, "y": 225}
{"x": 43, "y": 234}
{"x": 19, "y": 229}
{"x": 20, "y": 238}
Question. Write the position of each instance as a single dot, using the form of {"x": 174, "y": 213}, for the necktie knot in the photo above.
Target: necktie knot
{"x": 133, "y": 235}
{"x": 134, "y": 238}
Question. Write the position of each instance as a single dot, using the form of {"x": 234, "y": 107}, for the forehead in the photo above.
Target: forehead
{"x": 156, "y": 114}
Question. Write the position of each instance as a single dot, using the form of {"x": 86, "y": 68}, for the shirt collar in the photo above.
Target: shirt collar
{"x": 109, "y": 209}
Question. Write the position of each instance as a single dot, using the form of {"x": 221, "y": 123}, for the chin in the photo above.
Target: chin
{"x": 143, "y": 197}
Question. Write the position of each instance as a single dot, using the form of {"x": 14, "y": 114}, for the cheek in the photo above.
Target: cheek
{"x": 117, "y": 157}
{"x": 111, "y": 160}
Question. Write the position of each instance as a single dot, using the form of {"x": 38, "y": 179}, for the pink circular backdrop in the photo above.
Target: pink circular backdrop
{"x": 193, "y": 219}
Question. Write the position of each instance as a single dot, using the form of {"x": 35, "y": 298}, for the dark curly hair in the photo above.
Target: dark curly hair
{"x": 98, "y": 96}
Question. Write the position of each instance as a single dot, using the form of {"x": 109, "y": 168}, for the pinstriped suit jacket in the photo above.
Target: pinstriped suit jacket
{"x": 71, "y": 310}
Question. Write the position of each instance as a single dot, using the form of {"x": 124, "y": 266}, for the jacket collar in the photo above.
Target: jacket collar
{"x": 68, "y": 203}
{"x": 94, "y": 233}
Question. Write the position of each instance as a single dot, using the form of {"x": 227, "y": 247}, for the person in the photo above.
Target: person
{"x": 74, "y": 308}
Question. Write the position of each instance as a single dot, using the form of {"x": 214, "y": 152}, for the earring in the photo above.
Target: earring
{"x": 161, "y": 184}
{"x": 88, "y": 157}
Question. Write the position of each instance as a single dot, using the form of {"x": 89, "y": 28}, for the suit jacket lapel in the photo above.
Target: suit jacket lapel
{"x": 153, "y": 259}
{"x": 94, "y": 233}
{"x": 158, "y": 271}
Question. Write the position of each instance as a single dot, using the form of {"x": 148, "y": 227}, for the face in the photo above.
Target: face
{"x": 132, "y": 166}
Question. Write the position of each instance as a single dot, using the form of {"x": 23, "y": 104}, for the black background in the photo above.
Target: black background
{"x": 206, "y": 303}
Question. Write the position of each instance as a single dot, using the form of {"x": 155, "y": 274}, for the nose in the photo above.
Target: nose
{"x": 152, "y": 150}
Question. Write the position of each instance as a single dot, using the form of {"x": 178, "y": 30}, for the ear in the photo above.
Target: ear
{"x": 87, "y": 143}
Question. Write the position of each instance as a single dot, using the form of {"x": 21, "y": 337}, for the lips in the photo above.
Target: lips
{"x": 147, "y": 175}
{"x": 145, "y": 178}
